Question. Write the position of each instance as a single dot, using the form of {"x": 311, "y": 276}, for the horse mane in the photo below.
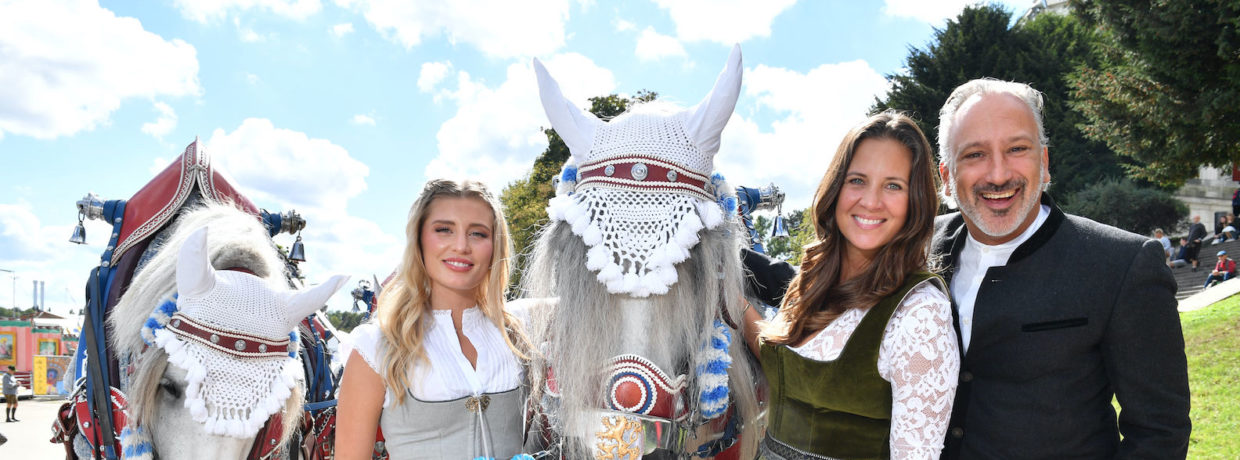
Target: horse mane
{"x": 237, "y": 240}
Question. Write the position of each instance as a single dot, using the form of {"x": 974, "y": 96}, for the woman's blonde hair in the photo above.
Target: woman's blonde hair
{"x": 816, "y": 296}
{"x": 404, "y": 311}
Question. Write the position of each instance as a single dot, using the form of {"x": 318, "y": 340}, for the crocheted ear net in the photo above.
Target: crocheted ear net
{"x": 234, "y": 395}
{"x": 638, "y": 226}
{"x": 238, "y": 374}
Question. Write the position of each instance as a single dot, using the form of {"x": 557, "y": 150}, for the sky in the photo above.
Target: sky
{"x": 342, "y": 109}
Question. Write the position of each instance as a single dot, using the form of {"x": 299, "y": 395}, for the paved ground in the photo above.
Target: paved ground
{"x": 28, "y": 439}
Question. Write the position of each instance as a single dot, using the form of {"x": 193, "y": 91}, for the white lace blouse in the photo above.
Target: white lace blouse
{"x": 919, "y": 356}
{"x": 449, "y": 375}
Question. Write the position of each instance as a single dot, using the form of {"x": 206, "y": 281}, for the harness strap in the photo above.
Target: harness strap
{"x": 97, "y": 384}
{"x": 731, "y": 434}
{"x": 268, "y": 438}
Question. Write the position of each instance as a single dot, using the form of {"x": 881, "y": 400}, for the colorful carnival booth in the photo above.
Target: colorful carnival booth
{"x": 41, "y": 348}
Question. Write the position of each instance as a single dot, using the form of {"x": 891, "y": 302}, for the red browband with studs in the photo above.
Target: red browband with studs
{"x": 231, "y": 343}
{"x": 645, "y": 173}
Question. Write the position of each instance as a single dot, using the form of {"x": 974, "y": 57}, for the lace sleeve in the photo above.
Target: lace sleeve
{"x": 920, "y": 357}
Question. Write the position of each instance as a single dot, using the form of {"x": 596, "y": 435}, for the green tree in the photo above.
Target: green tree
{"x": 525, "y": 200}
{"x": 1121, "y": 203}
{"x": 762, "y": 225}
{"x": 346, "y": 320}
{"x": 804, "y": 236}
{"x": 1167, "y": 92}
{"x": 981, "y": 43}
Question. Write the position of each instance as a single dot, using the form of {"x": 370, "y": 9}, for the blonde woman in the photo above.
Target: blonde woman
{"x": 439, "y": 369}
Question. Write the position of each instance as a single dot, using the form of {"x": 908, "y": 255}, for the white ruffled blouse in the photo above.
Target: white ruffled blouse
{"x": 449, "y": 375}
{"x": 919, "y": 356}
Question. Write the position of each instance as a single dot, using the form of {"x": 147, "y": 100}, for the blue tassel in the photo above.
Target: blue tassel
{"x": 717, "y": 394}
{"x": 292, "y": 339}
{"x": 169, "y": 306}
{"x": 153, "y": 325}
{"x": 523, "y": 457}
{"x": 569, "y": 175}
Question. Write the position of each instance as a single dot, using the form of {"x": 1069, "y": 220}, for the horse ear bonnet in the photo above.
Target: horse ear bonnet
{"x": 233, "y": 334}
{"x": 638, "y": 189}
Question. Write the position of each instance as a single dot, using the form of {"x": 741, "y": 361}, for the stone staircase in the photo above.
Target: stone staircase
{"x": 1190, "y": 282}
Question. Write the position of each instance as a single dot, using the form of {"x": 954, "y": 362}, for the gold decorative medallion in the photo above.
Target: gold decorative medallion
{"x": 473, "y": 403}
{"x": 620, "y": 439}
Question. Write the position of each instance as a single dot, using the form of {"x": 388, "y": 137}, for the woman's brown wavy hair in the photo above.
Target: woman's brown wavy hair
{"x": 816, "y": 296}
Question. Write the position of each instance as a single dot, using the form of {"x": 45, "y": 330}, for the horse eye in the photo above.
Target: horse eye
{"x": 170, "y": 387}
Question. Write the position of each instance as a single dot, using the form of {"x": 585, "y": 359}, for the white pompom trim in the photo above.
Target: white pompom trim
{"x": 662, "y": 273}
{"x": 291, "y": 375}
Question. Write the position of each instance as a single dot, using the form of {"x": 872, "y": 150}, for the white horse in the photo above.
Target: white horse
{"x": 642, "y": 261}
{"x": 217, "y": 308}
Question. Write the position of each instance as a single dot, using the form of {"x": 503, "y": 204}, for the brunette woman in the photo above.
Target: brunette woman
{"x": 862, "y": 358}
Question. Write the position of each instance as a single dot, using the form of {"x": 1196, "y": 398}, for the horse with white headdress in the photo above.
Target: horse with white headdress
{"x": 203, "y": 351}
{"x": 640, "y": 283}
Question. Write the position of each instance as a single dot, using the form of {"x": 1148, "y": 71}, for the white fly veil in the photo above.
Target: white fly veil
{"x": 638, "y": 189}
{"x": 232, "y": 333}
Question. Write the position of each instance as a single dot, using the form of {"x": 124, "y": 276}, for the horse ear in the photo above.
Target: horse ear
{"x": 574, "y": 125}
{"x": 707, "y": 120}
{"x": 195, "y": 276}
{"x": 303, "y": 303}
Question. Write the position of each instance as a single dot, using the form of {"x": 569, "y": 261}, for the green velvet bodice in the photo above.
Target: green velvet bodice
{"x": 839, "y": 408}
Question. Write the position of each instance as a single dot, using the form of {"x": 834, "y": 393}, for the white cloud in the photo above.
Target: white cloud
{"x": 35, "y": 250}
{"x": 652, "y": 45}
{"x": 813, "y": 112}
{"x": 282, "y": 169}
{"x": 495, "y": 133}
{"x": 19, "y": 234}
{"x": 247, "y": 34}
{"x": 498, "y": 28}
{"x": 340, "y": 30}
{"x": 210, "y": 10}
{"x": 288, "y": 166}
{"x": 930, "y": 11}
{"x": 360, "y": 119}
{"x": 432, "y": 74}
{"x": 163, "y": 125}
{"x": 252, "y": 79}
{"x": 66, "y": 66}
{"x": 723, "y": 21}
{"x": 624, "y": 26}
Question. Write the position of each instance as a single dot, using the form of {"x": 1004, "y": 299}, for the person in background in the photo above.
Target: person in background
{"x": 1196, "y": 235}
{"x": 1224, "y": 270}
{"x": 1048, "y": 340}
{"x": 1181, "y": 256}
{"x": 10, "y": 385}
{"x": 1223, "y": 230}
{"x": 862, "y": 357}
{"x": 1165, "y": 242}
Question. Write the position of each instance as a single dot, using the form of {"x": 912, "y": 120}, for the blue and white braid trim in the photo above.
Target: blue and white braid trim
{"x": 712, "y": 372}
{"x": 158, "y": 319}
{"x": 135, "y": 445}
